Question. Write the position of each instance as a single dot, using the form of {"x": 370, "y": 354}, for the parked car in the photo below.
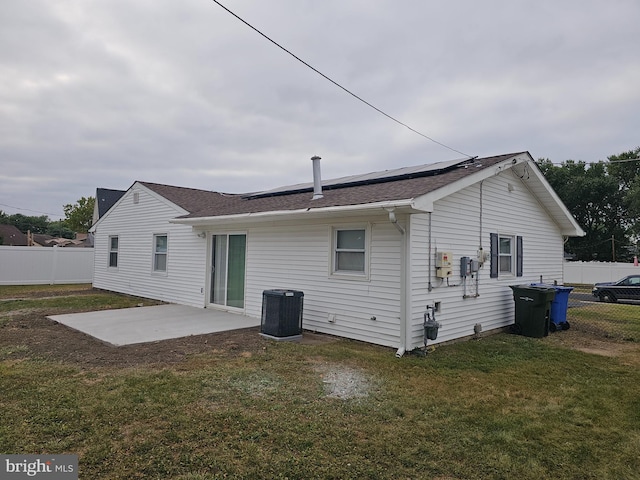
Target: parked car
{"x": 626, "y": 289}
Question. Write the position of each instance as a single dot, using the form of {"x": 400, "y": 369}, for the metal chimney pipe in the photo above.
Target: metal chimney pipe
{"x": 317, "y": 181}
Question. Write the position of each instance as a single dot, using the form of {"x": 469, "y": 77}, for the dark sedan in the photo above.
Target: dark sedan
{"x": 626, "y": 289}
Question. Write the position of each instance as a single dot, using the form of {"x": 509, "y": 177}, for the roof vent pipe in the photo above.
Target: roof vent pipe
{"x": 317, "y": 181}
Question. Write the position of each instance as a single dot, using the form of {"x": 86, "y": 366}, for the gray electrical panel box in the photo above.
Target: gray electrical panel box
{"x": 468, "y": 266}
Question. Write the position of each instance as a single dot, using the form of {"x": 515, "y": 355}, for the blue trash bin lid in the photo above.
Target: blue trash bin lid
{"x": 558, "y": 288}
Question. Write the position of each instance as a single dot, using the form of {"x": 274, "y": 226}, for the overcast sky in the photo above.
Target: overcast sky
{"x": 101, "y": 93}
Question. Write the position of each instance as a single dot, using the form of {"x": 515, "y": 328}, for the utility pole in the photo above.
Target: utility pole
{"x": 613, "y": 248}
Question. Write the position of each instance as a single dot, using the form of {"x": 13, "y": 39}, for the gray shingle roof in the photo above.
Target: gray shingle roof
{"x": 203, "y": 203}
{"x": 12, "y": 236}
{"x": 106, "y": 198}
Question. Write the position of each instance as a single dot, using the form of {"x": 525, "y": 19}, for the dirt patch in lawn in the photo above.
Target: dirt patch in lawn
{"x": 40, "y": 337}
{"x": 344, "y": 382}
{"x": 586, "y": 341}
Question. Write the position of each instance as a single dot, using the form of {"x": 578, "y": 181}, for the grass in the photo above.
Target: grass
{"x": 87, "y": 302}
{"x": 10, "y": 291}
{"x": 55, "y": 299}
{"x": 502, "y": 407}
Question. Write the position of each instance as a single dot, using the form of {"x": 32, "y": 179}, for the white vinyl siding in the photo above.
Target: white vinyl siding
{"x": 136, "y": 224}
{"x": 456, "y": 228}
{"x": 367, "y": 310}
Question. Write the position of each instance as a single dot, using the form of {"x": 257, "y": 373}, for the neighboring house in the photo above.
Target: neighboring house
{"x": 42, "y": 240}
{"x": 370, "y": 252}
{"x": 105, "y": 199}
{"x": 10, "y": 235}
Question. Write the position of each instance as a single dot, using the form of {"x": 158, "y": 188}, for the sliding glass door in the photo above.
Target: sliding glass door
{"x": 228, "y": 257}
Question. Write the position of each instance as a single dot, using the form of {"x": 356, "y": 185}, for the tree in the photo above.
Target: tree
{"x": 633, "y": 202}
{"x": 604, "y": 199}
{"x": 25, "y": 224}
{"x": 60, "y": 229}
{"x": 79, "y": 216}
{"x": 625, "y": 167}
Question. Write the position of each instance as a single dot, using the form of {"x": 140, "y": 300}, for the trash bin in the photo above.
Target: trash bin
{"x": 533, "y": 305}
{"x": 281, "y": 314}
{"x": 559, "y": 307}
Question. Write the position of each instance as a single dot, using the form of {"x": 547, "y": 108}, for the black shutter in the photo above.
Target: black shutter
{"x": 519, "y": 257}
{"x": 494, "y": 255}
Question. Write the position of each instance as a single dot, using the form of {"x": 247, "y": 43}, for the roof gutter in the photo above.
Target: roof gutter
{"x": 293, "y": 214}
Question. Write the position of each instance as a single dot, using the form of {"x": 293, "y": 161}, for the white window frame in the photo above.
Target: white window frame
{"x": 111, "y": 250}
{"x": 154, "y": 262}
{"x": 511, "y": 255}
{"x": 333, "y": 254}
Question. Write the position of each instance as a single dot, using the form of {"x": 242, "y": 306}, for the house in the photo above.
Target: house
{"x": 369, "y": 252}
{"x": 42, "y": 239}
{"x": 105, "y": 199}
{"x": 10, "y": 235}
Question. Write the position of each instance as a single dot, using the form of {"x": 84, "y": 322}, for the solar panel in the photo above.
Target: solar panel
{"x": 373, "y": 177}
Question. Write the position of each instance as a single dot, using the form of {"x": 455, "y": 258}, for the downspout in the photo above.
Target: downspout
{"x": 430, "y": 286}
{"x": 407, "y": 314}
{"x": 480, "y": 249}
{"x": 403, "y": 284}
{"x": 394, "y": 220}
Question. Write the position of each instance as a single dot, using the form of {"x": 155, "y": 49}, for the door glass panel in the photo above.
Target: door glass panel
{"x": 219, "y": 269}
{"x": 227, "y": 270}
{"x": 235, "y": 278}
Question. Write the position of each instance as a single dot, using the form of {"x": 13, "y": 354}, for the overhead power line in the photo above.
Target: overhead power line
{"x": 34, "y": 211}
{"x": 338, "y": 85}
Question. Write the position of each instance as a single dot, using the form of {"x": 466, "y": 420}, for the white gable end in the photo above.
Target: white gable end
{"x": 134, "y": 220}
{"x": 461, "y": 224}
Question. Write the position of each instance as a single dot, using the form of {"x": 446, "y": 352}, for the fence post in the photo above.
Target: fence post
{"x": 54, "y": 264}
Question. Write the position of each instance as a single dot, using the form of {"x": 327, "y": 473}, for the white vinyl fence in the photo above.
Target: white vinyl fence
{"x": 45, "y": 265}
{"x": 52, "y": 265}
{"x": 593, "y": 272}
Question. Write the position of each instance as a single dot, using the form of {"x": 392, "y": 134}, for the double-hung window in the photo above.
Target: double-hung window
{"x": 160, "y": 243}
{"x": 113, "y": 251}
{"x": 350, "y": 251}
{"x": 506, "y": 255}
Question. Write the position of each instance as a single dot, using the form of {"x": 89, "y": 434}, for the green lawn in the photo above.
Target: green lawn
{"x": 610, "y": 320}
{"x": 497, "y": 408}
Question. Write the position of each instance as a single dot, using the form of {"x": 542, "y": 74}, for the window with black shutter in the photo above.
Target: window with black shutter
{"x": 506, "y": 255}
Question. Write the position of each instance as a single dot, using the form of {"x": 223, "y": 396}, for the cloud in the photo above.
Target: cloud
{"x": 105, "y": 92}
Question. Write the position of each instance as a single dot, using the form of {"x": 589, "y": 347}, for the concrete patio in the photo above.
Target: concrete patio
{"x": 149, "y": 324}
